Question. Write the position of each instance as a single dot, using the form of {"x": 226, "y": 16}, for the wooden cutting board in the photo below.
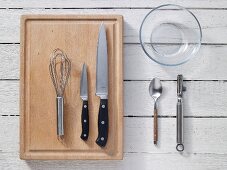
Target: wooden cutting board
{"x": 77, "y": 36}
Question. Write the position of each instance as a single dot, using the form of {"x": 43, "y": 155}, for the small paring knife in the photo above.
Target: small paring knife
{"x": 84, "y": 97}
{"x": 102, "y": 87}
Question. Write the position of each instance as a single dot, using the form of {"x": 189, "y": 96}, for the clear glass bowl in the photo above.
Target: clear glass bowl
{"x": 170, "y": 35}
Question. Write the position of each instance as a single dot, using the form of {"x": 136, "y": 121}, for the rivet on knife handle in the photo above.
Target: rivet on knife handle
{"x": 102, "y": 123}
{"x": 85, "y": 121}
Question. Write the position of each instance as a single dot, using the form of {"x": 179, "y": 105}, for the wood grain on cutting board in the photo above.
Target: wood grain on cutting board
{"x": 77, "y": 36}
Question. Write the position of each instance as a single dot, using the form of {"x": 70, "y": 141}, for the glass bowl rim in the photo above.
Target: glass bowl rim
{"x": 178, "y": 6}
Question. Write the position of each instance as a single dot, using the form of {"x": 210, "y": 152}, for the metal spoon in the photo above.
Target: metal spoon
{"x": 155, "y": 90}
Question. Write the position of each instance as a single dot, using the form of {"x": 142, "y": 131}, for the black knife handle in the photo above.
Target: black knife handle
{"x": 85, "y": 121}
{"x": 102, "y": 123}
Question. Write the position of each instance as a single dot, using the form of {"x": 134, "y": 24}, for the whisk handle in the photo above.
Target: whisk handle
{"x": 60, "y": 111}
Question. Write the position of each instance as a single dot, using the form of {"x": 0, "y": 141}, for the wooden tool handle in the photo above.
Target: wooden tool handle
{"x": 155, "y": 125}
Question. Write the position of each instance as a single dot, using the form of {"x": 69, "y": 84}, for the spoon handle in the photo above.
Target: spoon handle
{"x": 155, "y": 125}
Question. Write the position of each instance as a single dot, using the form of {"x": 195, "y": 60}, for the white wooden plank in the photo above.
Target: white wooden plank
{"x": 9, "y": 61}
{"x": 140, "y": 67}
{"x": 132, "y": 161}
{"x": 137, "y": 66}
{"x": 204, "y": 135}
{"x": 9, "y": 133}
{"x": 9, "y": 98}
{"x": 199, "y": 135}
{"x": 109, "y": 4}
{"x": 202, "y": 98}
{"x": 213, "y": 22}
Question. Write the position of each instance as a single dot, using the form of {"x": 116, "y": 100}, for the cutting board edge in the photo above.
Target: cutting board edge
{"x": 26, "y": 154}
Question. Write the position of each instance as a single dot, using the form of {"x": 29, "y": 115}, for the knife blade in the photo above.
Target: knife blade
{"x": 84, "y": 97}
{"x": 102, "y": 87}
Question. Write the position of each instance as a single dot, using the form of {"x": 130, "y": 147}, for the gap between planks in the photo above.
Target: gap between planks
{"x": 190, "y": 8}
{"x": 130, "y": 43}
{"x": 149, "y": 153}
{"x": 160, "y": 116}
{"x": 131, "y": 80}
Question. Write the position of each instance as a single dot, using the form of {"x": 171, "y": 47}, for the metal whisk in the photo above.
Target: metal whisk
{"x": 60, "y": 67}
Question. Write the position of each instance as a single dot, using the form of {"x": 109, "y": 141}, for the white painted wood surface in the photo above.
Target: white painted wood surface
{"x": 209, "y": 64}
{"x": 205, "y": 98}
{"x": 213, "y": 22}
{"x": 202, "y": 98}
{"x": 109, "y": 3}
{"x": 139, "y": 139}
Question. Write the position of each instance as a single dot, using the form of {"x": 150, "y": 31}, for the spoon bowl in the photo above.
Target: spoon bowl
{"x": 155, "y": 88}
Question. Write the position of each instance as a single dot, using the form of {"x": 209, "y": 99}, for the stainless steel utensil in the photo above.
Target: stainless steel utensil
{"x": 102, "y": 87}
{"x": 180, "y": 116}
{"x": 155, "y": 90}
{"x": 84, "y": 97}
{"x": 59, "y": 67}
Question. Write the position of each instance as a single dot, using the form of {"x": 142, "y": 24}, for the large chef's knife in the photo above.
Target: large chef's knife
{"x": 84, "y": 97}
{"x": 102, "y": 87}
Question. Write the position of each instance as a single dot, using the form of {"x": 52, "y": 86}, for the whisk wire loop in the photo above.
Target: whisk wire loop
{"x": 60, "y": 67}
